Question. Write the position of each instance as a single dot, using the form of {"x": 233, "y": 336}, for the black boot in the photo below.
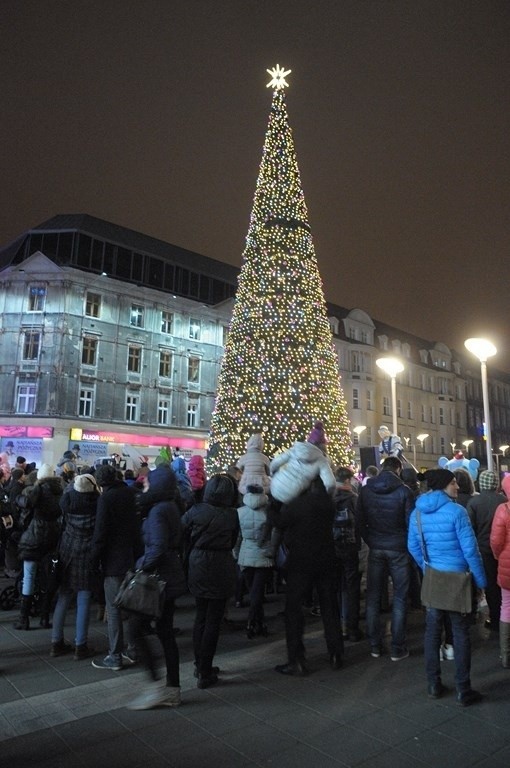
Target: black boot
{"x": 251, "y": 630}
{"x": 23, "y": 621}
{"x": 262, "y": 629}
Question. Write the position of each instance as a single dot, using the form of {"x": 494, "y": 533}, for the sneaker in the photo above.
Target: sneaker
{"x": 60, "y": 648}
{"x": 375, "y": 652}
{"x": 129, "y": 657}
{"x": 400, "y": 655}
{"x": 83, "y": 652}
{"x": 447, "y": 652}
{"x": 157, "y": 695}
{"x": 107, "y": 663}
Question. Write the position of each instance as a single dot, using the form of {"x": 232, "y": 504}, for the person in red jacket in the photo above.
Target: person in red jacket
{"x": 500, "y": 545}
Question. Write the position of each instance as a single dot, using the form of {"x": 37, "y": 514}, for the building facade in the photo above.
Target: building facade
{"x": 110, "y": 339}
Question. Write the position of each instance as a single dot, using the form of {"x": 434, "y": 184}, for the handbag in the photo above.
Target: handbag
{"x": 444, "y": 590}
{"x": 141, "y": 592}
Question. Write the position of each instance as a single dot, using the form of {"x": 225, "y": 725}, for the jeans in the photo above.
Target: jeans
{"x": 348, "y": 585}
{"x": 115, "y": 624}
{"x": 29, "y": 574}
{"x": 382, "y": 562}
{"x": 206, "y": 631}
{"x": 82, "y": 615}
{"x": 299, "y": 584}
{"x": 256, "y": 579}
{"x": 145, "y": 644}
{"x": 461, "y": 623}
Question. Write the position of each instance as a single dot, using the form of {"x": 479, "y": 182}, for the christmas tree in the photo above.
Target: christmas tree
{"x": 280, "y": 372}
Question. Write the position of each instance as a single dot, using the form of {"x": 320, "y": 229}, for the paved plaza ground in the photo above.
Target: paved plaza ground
{"x": 58, "y": 713}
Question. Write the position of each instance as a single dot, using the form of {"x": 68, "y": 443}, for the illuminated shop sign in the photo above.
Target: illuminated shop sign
{"x": 86, "y": 435}
{"x": 15, "y": 431}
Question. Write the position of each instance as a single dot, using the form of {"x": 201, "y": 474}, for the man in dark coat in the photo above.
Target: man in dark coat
{"x": 307, "y": 526}
{"x": 383, "y": 509}
{"x": 481, "y": 509}
{"x": 115, "y": 547}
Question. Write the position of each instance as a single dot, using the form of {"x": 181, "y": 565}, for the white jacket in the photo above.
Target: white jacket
{"x": 252, "y": 518}
{"x": 293, "y": 471}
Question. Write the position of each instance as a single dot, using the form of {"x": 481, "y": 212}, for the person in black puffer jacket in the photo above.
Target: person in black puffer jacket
{"x": 40, "y": 520}
{"x": 212, "y": 527}
{"x": 159, "y": 505}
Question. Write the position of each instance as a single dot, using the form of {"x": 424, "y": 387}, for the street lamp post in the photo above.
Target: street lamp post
{"x": 483, "y": 349}
{"x": 392, "y": 366}
{"x": 422, "y": 439}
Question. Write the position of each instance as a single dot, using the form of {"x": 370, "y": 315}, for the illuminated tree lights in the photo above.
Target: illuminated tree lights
{"x": 279, "y": 373}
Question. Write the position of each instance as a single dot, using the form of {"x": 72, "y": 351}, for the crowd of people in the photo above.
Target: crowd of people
{"x": 74, "y": 535}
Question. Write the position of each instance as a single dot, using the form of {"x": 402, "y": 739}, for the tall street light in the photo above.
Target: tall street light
{"x": 483, "y": 349}
{"x": 392, "y": 366}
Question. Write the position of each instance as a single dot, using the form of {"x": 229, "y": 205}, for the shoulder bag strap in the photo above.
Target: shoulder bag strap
{"x": 423, "y": 545}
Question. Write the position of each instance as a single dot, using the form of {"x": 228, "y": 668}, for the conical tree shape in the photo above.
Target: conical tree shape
{"x": 279, "y": 373}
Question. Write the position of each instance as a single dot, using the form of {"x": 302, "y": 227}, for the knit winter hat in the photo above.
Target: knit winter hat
{"x": 437, "y": 479}
{"x": 85, "y": 484}
{"x": 317, "y": 436}
{"x": 45, "y": 471}
{"x": 488, "y": 480}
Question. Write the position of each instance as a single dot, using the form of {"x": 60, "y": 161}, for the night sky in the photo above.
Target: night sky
{"x": 152, "y": 114}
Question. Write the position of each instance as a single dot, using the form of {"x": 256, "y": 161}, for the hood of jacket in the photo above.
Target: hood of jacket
{"x": 178, "y": 464}
{"x": 196, "y": 462}
{"x": 221, "y": 491}
{"x": 162, "y": 484}
{"x": 385, "y": 482}
{"x": 307, "y": 453}
{"x": 431, "y": 501}
{"x": 255, "y": 443}
{"x": 255, "y": 500}
{"x": 505, "y": 485}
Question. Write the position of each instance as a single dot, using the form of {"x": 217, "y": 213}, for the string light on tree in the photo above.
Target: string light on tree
{"x": 279, "y": 373}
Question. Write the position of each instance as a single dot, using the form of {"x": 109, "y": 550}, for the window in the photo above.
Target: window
{"x": 192, "y": 420}
{"x": 355, "y": 438}
{"x": 386, "y": 406}
{"x": 193, "y": 370}
{"x": 194, "y": 329}
{"x": 25, "y": 398}
{"x": 165, "y": 363}
{"x": 36, "y": 298}
{"x": 137, "y": 315}
{"x": 132, "y": 407}
{"x": 224, "y": 335}
{"x": 31, "y": 345}
{"x": 432, "y": 415}
{"x": 134, "y": 359}
{"x": 92, "y": 304}
{"x": 86, "y": 403}
{"x": 163, "y": 411}
{"x": 89, "y": 351}
{"x": 399, "y": 408}
{"x": 355, "y": 398}
{"x": 167, "y": 322}
{"x": 423, "y": 413}
{"x": 369, "y": 400}
{"x": 441, "y": 416}
{"x": 410, "y": 410}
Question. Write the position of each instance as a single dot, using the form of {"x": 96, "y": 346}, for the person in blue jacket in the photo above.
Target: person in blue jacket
{"x": 451, "y": 546}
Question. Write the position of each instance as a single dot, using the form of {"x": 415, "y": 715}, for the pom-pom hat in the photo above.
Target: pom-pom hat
{"x": 317, "y": 436}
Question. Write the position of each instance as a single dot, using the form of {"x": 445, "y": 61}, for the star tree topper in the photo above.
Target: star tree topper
{"x": 278, "y": 75}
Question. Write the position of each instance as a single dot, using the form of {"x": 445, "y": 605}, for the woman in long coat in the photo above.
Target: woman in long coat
{"x": 212, "y": 527}
{"x": 39, "y": 520}
{"x": 79, "y": 507}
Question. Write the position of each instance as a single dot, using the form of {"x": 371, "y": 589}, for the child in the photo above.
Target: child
{"x": 254, "y": 465}
{"x": 293, "y": 471}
